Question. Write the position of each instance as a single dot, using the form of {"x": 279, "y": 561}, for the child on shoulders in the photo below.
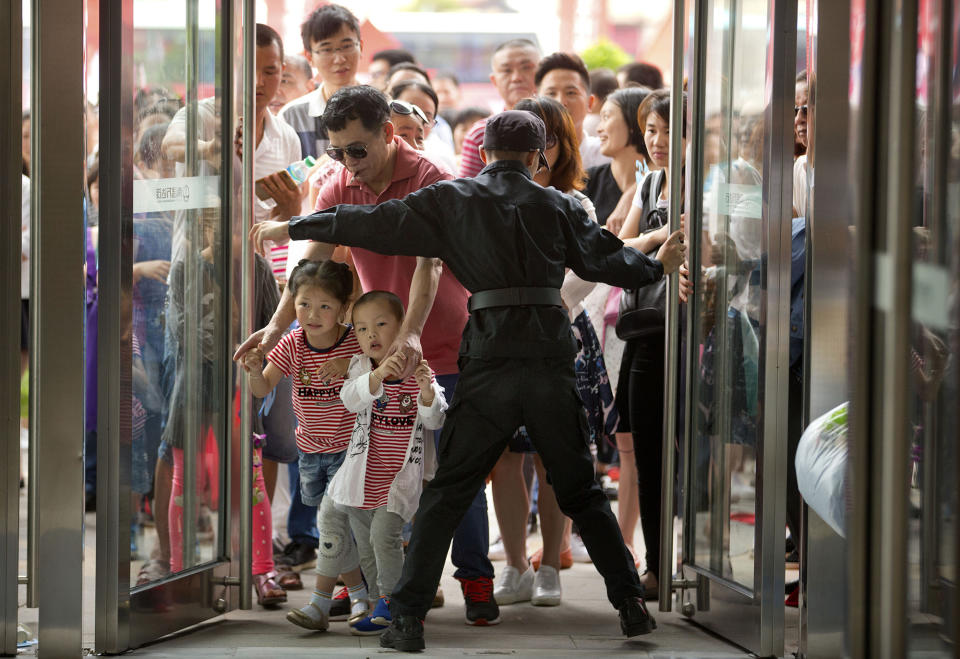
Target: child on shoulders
{"x": 387, "y": 460}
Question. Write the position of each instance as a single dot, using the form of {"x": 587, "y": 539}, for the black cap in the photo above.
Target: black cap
{"x": 516, "y": 130}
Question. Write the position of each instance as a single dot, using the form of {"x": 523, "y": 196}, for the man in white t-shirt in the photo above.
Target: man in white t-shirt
{"x": 277, "y": 144}
{"x": 564, "y": 78}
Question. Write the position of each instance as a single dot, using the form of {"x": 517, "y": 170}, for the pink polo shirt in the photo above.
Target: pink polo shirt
{"x": 412, "y": 171}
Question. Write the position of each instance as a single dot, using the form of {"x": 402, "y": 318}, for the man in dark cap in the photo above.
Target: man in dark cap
{"x": 508, "y": 241}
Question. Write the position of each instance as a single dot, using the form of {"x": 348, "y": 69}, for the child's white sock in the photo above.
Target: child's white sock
{"x": 319, "y": 604}
{"x": 358, "y": 599}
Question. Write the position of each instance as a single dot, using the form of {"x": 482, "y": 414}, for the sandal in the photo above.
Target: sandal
{"x": 153, "y": 570}
{"x": 268, "y": 592}
{"x": 290, "y": 580}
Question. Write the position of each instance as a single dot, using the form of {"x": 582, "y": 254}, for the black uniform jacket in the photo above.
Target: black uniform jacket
{"x": 497, "y": 230}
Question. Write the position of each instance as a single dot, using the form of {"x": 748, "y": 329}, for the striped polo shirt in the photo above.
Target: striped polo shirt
{"x": 323, "y": 423}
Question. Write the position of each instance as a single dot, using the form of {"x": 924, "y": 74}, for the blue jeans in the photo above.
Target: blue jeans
{"x": 472, "y": 537}
{"x": 302, "y": 519}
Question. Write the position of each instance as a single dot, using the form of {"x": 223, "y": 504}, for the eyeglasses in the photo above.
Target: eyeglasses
{"x": 797, "y": 109}
{"x": 328, "y": 53}
{"x": 402, "y": 107}
{"x": 355, "y": 151}
{"x": 551, "y": 141}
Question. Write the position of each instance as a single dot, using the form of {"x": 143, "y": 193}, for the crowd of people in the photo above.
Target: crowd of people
{"x": 358, "y": 360}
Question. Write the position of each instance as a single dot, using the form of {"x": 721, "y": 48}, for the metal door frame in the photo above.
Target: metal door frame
{"x": 127, "y": 616}
{"x": 11, "y": 27}
{"x": 753, "y": 619}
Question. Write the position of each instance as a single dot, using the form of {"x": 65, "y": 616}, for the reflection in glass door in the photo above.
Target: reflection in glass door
{"x": 736, "y": 393}
{"x": 933, "y": 395}
{"x": 167, "y": 251}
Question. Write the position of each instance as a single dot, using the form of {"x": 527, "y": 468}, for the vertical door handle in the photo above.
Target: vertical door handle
{"x": 672, "y": 329}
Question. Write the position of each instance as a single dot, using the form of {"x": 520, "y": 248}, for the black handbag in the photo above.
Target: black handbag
{"x": 643, "y": 310}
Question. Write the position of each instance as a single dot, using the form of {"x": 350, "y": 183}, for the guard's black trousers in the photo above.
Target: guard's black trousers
{"x": 492, "y": 399}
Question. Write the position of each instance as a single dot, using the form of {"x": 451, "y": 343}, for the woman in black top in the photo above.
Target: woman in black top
{"x": 622, "y": 140}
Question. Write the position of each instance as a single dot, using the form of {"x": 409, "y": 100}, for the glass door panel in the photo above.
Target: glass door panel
{"x": 730, "y": 329}
{"x": 179, "y": 402}
{"x": 932, "y": 524}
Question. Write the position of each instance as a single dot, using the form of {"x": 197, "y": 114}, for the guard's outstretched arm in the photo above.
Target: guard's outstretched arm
{"x": 411, "y": 226}
{"x": 595, "y": 254}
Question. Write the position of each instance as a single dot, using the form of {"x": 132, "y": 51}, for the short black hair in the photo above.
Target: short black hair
{"x": 394, "y": 56}
{"x": 644, "y": 74}
{"x": 629, "y": 100}
{"x": 470, "y": 115}
{"x": 149, "y": 146}
{"x": 407, "y": 66}
{"x": 404, "y": 85}
{"x": 392, "y": 301}
{"x": 266, "y": 35}
{"x": 603, "y": 82}
{"x": 324, "y": 21}
{"x": 517, "y": 43}
{"x": 363, "y": 102}
{"x": 658, "y": 103}
{"x": 566, "y": 62}
{"x": 448, "y": 75}
{"x": 334, "y": 278}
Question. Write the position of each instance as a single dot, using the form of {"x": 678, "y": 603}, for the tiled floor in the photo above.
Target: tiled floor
{"x": 585, "y": 625}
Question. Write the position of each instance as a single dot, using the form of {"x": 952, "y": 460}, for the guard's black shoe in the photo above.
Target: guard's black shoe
{"x": 405, "y": 633}
{"x": 634, "y": 617}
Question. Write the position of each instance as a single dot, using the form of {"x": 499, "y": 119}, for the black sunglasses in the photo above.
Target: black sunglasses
{"x": 797, "y": 109}
{"x": 402, "y": 107}
{"x": 355, "y": 151}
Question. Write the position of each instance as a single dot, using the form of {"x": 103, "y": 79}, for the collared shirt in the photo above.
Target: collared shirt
{"x": 303, "y": 115}
{"x": 412, "y": 171}
{"x": 470, "y": 162}
{"x": 497, "y": 230}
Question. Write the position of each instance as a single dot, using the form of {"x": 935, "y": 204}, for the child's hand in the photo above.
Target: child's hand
{"x": 425, "y": 380}
{"x": 253, "y": 360}
{"x": 392, "y": 366}
{"x": 334, "y": 369}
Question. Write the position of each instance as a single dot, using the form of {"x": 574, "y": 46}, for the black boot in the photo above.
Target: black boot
{"x": 405, "y": 633}
{"x": 634, "y": 617}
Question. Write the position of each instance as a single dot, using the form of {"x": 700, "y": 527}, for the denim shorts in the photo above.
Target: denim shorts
{"x": 316, "y": 472}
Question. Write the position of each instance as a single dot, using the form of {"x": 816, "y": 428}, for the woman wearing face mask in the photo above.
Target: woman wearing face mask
{"x": 518, "y": 582}
{"x": 640, "y": 393}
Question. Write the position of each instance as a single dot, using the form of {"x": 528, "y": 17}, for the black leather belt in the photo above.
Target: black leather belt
{"x": 515, "y": 297}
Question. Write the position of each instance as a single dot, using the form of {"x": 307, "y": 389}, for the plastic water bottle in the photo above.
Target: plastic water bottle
{"x": 297, "y": 172}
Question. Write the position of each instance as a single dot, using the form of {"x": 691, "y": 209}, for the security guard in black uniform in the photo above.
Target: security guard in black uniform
{"x": 508, "y": 241}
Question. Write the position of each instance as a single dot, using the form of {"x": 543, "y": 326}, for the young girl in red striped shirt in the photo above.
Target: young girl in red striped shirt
{"x": 387, "y": 460}
{"x": 317, "y": 354}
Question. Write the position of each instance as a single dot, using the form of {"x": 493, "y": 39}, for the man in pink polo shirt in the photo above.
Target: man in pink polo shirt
{"x": 379, "y": 166}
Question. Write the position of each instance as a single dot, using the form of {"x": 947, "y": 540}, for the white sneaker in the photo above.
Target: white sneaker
{"x": 512, "y": 587}
{"x": 546, "y": 587}
{"x": 578, "y": 549}
{"x": 496, "y": 552}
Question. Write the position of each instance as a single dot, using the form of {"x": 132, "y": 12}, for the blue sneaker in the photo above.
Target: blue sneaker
{"x": 376, "y": 623}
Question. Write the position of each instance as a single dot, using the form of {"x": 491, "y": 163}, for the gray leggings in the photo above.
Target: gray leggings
{"x": 337, "y": 552}
{"x": 381, "y": 547}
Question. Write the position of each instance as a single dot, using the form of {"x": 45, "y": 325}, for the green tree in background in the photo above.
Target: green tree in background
{"x": 433, "y": 5}
{"x": 605, "y": 53}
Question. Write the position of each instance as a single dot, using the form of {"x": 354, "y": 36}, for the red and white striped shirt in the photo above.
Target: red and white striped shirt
{"x": 391, "y": 422}
{"x": 470, "y": 162}
{"x": 323, "y": 423}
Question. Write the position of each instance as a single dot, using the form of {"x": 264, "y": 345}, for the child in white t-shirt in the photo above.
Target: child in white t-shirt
{"x": 387, "y": 460}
